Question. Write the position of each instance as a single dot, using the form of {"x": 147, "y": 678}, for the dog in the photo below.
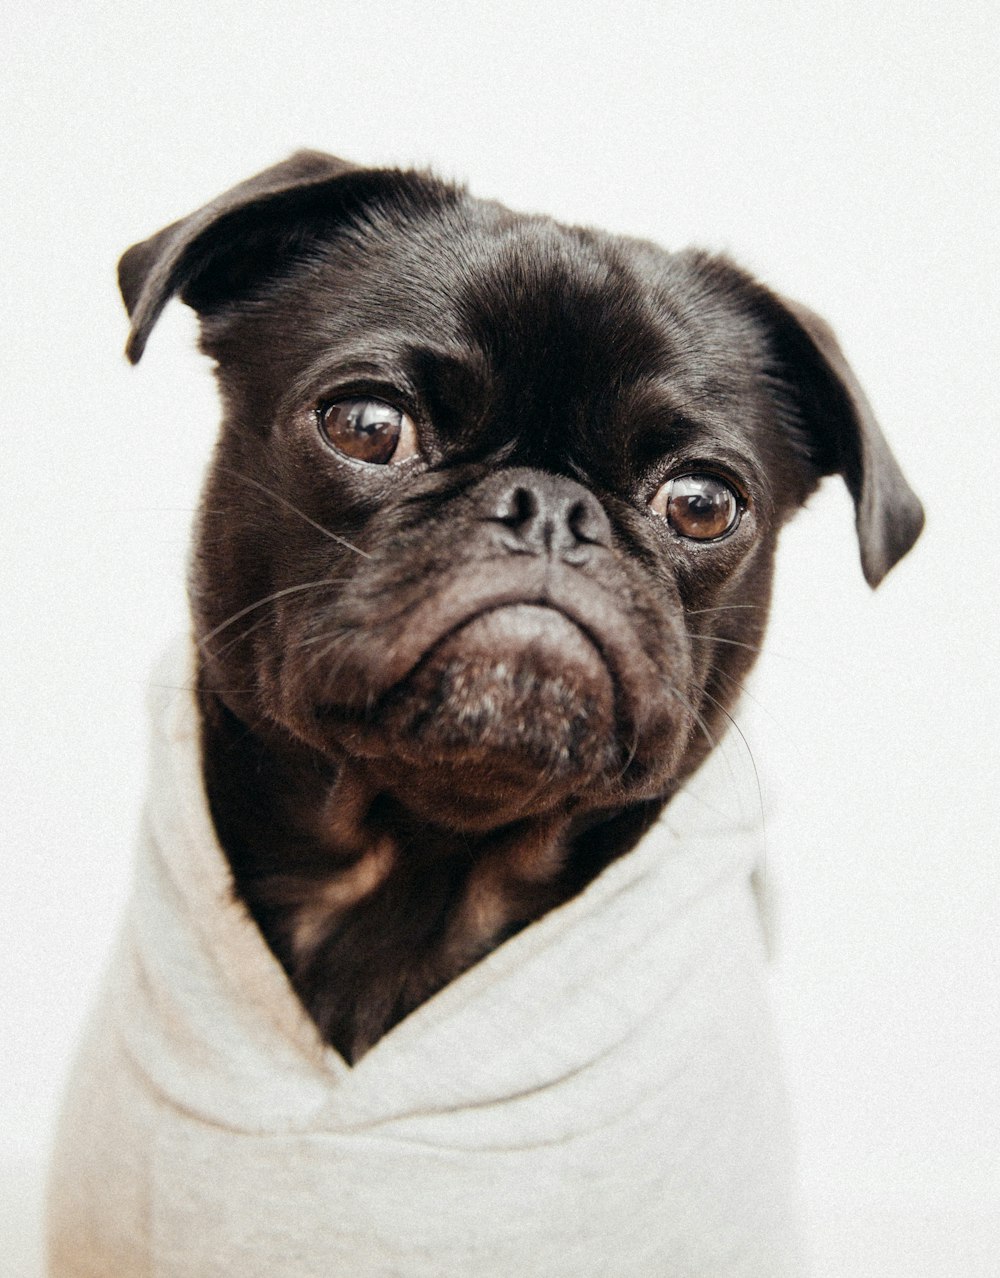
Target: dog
{"x": 483, "y": 559}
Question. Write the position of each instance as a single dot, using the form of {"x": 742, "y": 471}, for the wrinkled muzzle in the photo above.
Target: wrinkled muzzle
{"x": 523, "y": 666}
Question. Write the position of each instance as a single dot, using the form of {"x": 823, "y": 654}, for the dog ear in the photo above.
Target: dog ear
{"x": 213, "y": 252}
{"x": 845, "y": 438}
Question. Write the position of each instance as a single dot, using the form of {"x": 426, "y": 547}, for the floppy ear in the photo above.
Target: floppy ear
{"x": 845, "y": 438}
{"x": 213, "y": 251}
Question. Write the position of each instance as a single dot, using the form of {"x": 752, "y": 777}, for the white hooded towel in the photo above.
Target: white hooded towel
{"x": 597, "y": 1098}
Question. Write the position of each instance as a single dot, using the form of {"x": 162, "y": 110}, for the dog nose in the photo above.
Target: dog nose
{"x": 549, "y": 514}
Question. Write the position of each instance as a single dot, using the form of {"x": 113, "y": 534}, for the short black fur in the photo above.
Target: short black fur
{"x": 438, "y": 697}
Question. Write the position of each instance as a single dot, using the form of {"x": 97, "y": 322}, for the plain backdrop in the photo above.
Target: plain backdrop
{"x": 846, "y": 153}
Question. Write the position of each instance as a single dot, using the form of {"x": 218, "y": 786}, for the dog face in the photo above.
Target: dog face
{"x": 495, "y": 505}
{"x": 484, "y": 553}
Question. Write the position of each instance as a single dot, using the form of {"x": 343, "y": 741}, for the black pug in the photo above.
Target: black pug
{"x": 484, "y": 555}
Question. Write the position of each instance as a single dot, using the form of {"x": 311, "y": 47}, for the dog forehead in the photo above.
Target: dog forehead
{"x": 517, "y": 285}
{"x": 561, "y": 302}
{"x": 573, "y": 312}
{"x": 504, "y": 325}
{"x": 582, "y": 325}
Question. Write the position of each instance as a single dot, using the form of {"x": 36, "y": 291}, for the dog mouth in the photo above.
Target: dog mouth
{"x": 513, "y": 707}
{"x": 517, "y": 679}
{"x": 535, "y": 605}
{"x": 509, "y": 683}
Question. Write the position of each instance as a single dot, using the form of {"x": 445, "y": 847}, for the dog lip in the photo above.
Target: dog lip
{"x": 577, "y": 597}
{"x": 545, "y": 605}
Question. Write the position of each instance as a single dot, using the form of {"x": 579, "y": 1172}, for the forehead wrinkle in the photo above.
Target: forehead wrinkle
{"x": 563, "y": 324}
{"x": 542, "y": 279}
{"x": 695, "y": 421}
{"x": 395, "y": 275}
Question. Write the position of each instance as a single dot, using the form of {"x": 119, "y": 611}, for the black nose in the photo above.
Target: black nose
{"x": 547, "y": 514}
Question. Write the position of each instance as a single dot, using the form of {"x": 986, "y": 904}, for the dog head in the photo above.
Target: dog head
{"x": 494, "y": 509}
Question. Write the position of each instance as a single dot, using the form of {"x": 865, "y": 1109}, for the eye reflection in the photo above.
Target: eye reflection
{"x": 368, "y": 430}
{"x": 698, "y": 507}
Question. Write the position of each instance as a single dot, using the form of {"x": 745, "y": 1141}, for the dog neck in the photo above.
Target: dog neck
{"x": 369, "y": 910}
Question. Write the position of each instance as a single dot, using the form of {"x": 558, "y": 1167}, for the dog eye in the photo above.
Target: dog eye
{"x": 700, "y": 507}
{"x": 368, "y": 430}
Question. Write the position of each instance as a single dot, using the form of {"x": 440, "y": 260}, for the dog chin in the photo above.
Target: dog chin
{"x": 510, "y": 714}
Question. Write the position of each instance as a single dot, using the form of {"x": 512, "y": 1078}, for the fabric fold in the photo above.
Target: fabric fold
{"x": 599, "y": 1095}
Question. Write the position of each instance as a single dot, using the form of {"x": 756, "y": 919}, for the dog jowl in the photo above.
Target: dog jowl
{"x": 484, "y": 553}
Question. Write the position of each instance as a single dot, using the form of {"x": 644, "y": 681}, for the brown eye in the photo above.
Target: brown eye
{"x": 700, "y": 507}
{"x": 368, "y": 430}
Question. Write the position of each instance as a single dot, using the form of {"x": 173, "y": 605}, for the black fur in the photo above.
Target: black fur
{"x": 440, "y": 696}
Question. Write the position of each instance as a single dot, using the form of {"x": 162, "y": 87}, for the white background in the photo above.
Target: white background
{"x": 847, "y": 154}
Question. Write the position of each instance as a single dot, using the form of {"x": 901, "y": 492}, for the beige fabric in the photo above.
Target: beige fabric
{"x": 597, "y": 1097}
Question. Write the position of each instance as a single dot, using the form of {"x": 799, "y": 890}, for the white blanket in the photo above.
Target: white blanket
{"x": 598, "y": 1097}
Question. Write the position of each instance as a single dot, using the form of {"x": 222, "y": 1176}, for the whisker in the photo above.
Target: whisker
{"x": 760, "y": 789}
{"x": 697, "y": 612}
{"x": 326, "y": 636}
{"x": 243, "y": 634}
{"x": 630, "y": 754}
{"x": 268, "y": 599}
{"x": 761, "y": 648}
{"x": 268, "y": 492}
{"x": 745, "y": 692}
{"x": 732, "y": 643}
{"x": 329, "y": 638}
{"x": 692, "y": 709}
{"x": 327, "y": 644}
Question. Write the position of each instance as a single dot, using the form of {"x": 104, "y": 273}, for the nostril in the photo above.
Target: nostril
{"x": 548, "y": 514}
{"x": 586, "y": 522}
{"x": 517, "y": 507}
